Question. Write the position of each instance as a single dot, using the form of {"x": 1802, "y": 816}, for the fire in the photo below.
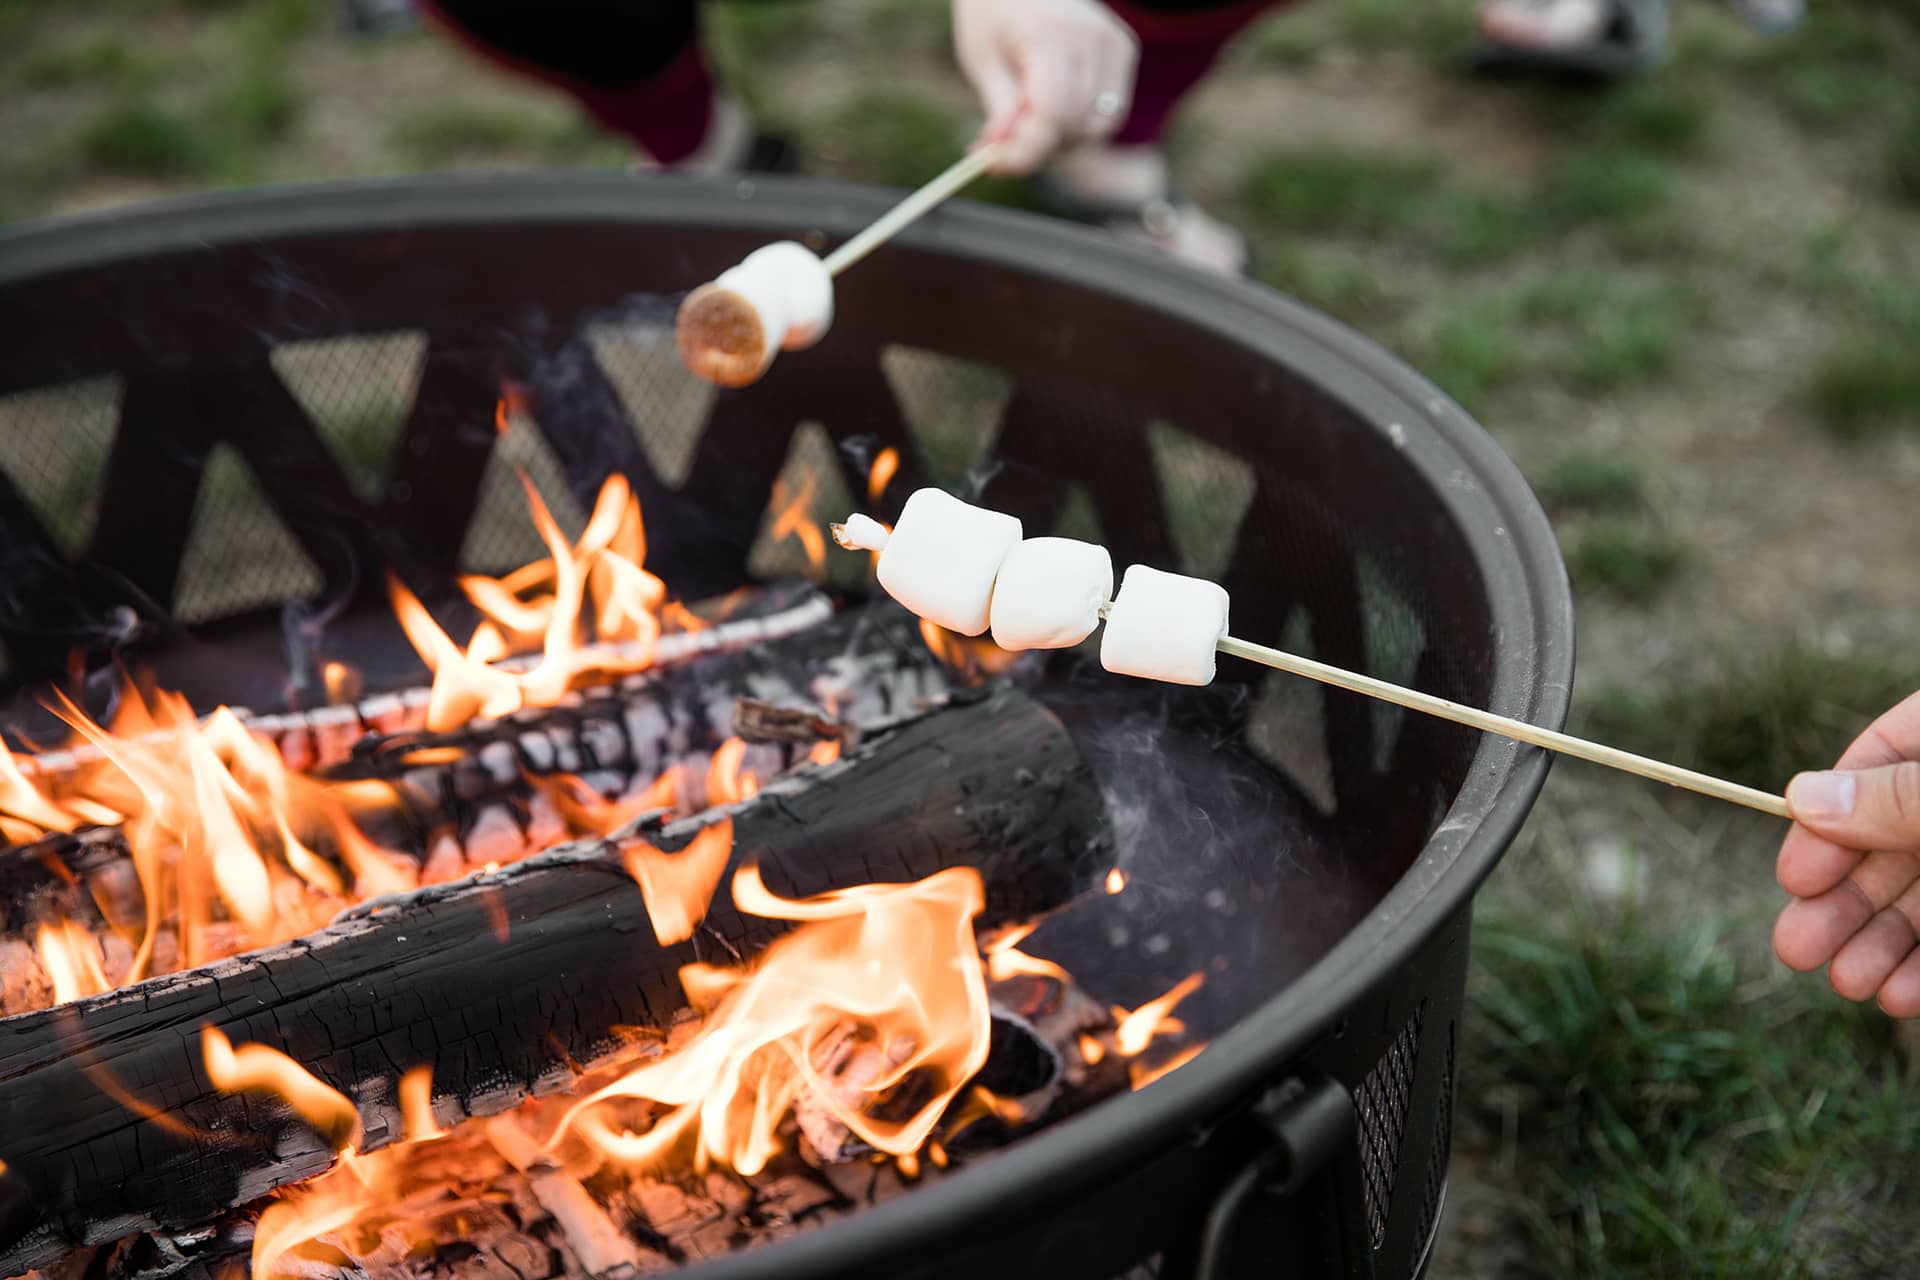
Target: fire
{"x": 1005, "y": 959}
{"x": 678, "y": 886}
{"x": 1116, "y": 880}
{"x": 824, "y": 752}
{"x": 595, "y": 584}
{"x": 219, "y": 834}
{"x": 259, "y": 1067}
{"x": 894, "y": 966}
{"x": 885, "y": 464}
{"x": 513, "y": 400}
{"x": 973, "y": 657}
{"x": 342, "y": 681}
{"x": 416, "y": 1105}
{"x": 1136, "y": 1030}
{"x": 727, "y": 783}
{"x": 793, "y": 518}
{"x": 71, "y": 957}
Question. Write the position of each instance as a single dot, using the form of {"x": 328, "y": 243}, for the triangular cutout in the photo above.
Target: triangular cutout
{"x": 952, "y": 408}
{"x": 1079, "y": 519}
{"x": 358, "y": 391}
{"x": 54, "y": 443}
{"x": 501, "y": 536}
{"x": 667, "y": 405}
{"x": 1288, "y": 727}
{"x": 1394, "y": 639}
{"x": 812, "y": 468}
{"x": 1205, "y": 492}
{"x": 239, "y": 555}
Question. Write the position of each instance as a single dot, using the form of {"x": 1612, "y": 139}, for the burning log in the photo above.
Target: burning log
{"x": 502, "y": 983}
{"x": 456, "y": 800}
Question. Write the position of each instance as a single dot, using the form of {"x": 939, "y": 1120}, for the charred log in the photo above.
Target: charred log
{"x": 464, "y": 796}
{"x": 501, "y": 983}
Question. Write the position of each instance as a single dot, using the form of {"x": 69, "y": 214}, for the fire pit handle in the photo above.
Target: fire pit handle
{"x": 1299, "y": 1198}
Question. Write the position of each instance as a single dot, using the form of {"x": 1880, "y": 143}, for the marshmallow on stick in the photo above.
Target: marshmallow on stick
{"x": 779, "y": 298}
{"x": 1162, "y": 626}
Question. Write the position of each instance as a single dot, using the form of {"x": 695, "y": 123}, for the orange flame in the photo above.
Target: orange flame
{"x": 726, "y": 782}
{"x": 885, "y": 464}
{"x": 1116, "y": 880}
{"x": 216, "y": 826}
{"x": 896, "y": 963}
{"x": 342, "y": 682}
{"x": 259, "y": 1067}
{"x": 513, "y": 400}
{"x": 824, "y": 752}
{"x": 1005, "y": 959}
{"x": 677, "y": 887}
{"x": 973, "y": 657}
{"x": 1091, "y": 1049}
{"x": 596, "y": 583}
{"x": 71, "y": 957}
{"x": 1140, "y": 1075}
{"x": 416, "y": 1105}
{"x": 793, "y": 518}
{"x": 1138, "y": 1029}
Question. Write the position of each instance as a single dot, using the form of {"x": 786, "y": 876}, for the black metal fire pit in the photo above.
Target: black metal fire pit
{"x": 1315, "y": 853}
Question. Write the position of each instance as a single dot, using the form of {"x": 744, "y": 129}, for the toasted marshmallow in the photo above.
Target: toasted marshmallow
{"x": 779, "y": 297}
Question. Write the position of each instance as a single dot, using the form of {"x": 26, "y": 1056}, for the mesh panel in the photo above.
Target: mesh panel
{"x": 358, "y": 392}
{"x": 1382, "y": 1101}
{"x": 239, "y": 555}
{"x": 501, "y": 536}
{"x": 53, "y": 446}
{"x": 952, "y": 407}
{"x": 667, "y": 406}
{"x": 1207, "y": 491}
{"x": 810, "y": 493}
{"x": 1442, "y": 1145}
{"x": 1394, "y": 639}
{"x": 1288, "y": 725}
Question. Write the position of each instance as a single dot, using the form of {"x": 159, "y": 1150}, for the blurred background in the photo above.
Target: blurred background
{"x": 1687, "y": 304}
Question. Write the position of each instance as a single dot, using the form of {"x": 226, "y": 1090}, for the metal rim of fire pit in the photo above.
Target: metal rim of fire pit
{"x": 1500, "y": 520}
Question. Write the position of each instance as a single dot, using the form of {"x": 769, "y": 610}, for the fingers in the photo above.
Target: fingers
{"x": 1811, "y": 931}
{"x": 1811, "y": 864}
{"x": 1871, "y": 955}
{"x": 1051, "y": 82}
{"x": 1900, "y": 993}
{"x": 1872, "y": 808}
{"x": 1112, "y": 67}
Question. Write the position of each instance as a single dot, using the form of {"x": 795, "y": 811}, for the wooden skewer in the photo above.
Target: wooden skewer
{"x": 1520, "y": 730}
{"x": 890, "y": 223}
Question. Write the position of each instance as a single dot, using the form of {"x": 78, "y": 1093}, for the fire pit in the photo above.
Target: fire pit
{"x": 239, "y": 434}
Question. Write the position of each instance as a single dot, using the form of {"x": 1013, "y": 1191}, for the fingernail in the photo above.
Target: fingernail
{"x": 1822, "y": 795}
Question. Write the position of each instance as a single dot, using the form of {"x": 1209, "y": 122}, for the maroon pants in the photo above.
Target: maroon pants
{"x": 638, "y": 68}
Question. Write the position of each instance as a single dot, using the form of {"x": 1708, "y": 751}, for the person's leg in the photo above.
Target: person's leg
{"x": 637, "y": 67}
{"x": 1124, "y": 183}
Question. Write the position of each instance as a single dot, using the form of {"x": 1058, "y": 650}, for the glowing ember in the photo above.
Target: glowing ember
{"x": 678, "y": 886}
{"x": 824, "y": 752}
{"x": 595, "y": 584}
{"x": 1116, "y": 880}
{"x": 896, "y": 963}
{"x": 1138, "y": 1029}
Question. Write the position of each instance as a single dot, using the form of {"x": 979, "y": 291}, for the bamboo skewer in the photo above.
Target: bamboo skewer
{"x": 890, "y": 223}
{"x": 1519, "y": 730}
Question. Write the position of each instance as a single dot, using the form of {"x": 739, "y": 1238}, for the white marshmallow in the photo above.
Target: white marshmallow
{"x": 942, "y": 559}
{"x": 1049, "y": 593}
{"x": 861, "y": 533}
{"x": 791, "y": 286}
{"x": 1163, "y": 626}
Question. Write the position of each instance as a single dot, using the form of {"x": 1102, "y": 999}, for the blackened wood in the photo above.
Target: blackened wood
{"x": 499, "y": 982}
{"x": 615, "y": 736}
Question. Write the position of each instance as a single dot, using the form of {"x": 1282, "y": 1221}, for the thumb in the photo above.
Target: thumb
{"x": 1861, "y": 808}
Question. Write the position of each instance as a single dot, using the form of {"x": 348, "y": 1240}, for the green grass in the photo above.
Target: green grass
{"x": 746, "y": 41}
{"x": 1606, "y": 186}
{"x": 1679, "y": 1116}
{"x": 1755, "y": 720}
{"x": 1866, "y": 381}
{"x": 1903, "y": 154}
{"x": 1662, "y": 115}
{"x": 451, "y": 133}
{"x": 139, "y": 137}
{"x": 1472, "y": 352}
{"x": 890, "y": 136}
{"x": 1283, "y": 40}
{"x": 1604, "y": 483}
{"x": 1628, "y": 558}
{"x": 94, "y": 59}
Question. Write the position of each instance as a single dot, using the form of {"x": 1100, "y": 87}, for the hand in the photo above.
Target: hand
{"x": 1852, "y": 863}
{"x": 1047, "y": 71}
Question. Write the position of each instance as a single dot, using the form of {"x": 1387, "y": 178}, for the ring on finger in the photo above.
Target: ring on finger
{"x": 1107, "y": 105}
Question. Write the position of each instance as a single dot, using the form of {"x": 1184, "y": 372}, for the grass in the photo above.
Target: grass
{"x": 1866, "y": 381}
{"x": 1606, "y": 186}
{"x": 1662, "y": 115}
{"x": 1471, "y": 353}
{"x": 139, "y": 137}
{"x": 93, "y": 59}
{"x": 1679, "y": 1116}
{"x": 1757, "y": 721}
{"x": 1903, "y": 154}
{"x": 1628, "y": 558}
{"x": 1604, "y": 483}
{"x": 451, "y": 133}
{"x": 1333, "y": 278}
{"x": 891, "y": 136}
